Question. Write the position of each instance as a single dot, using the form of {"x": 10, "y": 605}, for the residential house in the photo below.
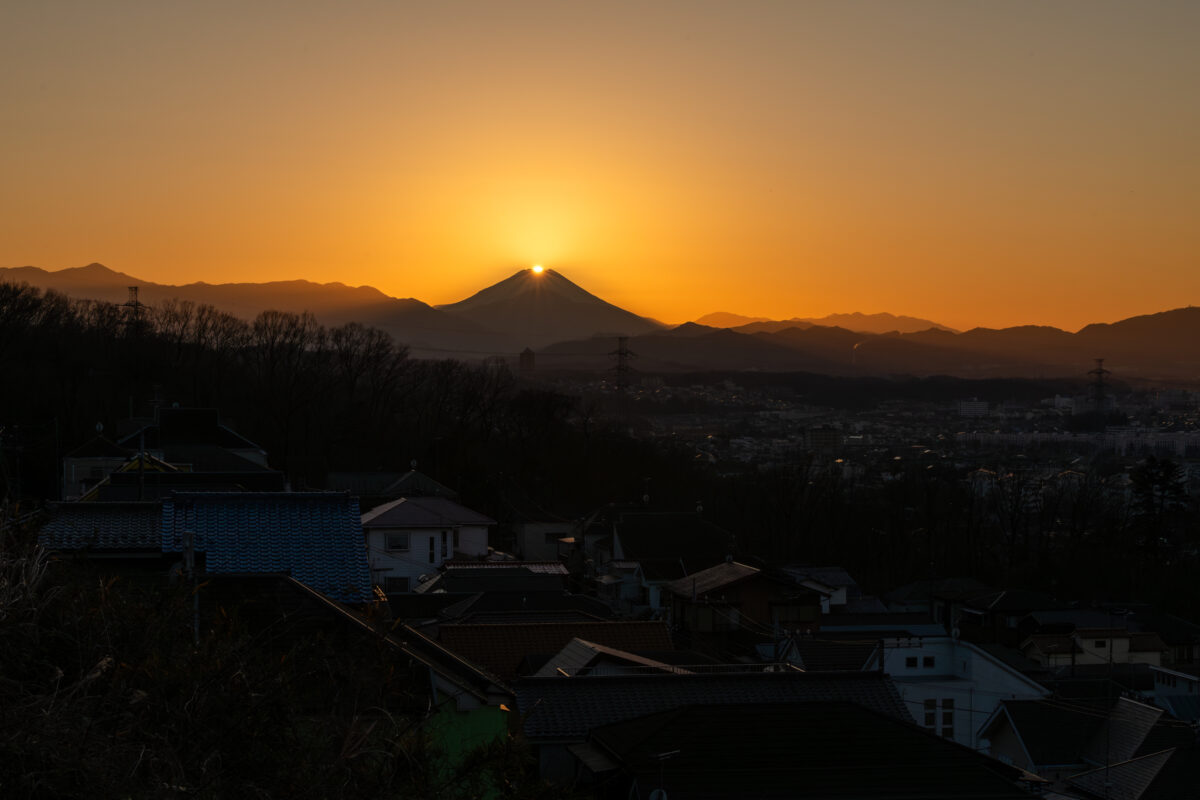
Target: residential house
{"x": 511, "y": 649}
{"x": 312, "y": 536}
{"x": 649, "y": 549}
{"x": 732, "y": 595}
{"x": 949, "y": 685}
{"x": 560, "y": 713}
{"x": 414, "y": 536}
{"x": 110, "y": 531}
{"x": 790, "y": 750}
{"x": 1118, "y": 748}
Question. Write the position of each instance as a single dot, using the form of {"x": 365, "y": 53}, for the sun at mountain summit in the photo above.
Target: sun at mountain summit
{"x": 538, "y": 268}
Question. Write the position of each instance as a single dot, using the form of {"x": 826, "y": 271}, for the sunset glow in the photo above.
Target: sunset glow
{"x": 972, "y": 163}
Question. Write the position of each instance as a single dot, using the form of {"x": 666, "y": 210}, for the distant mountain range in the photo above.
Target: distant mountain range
{"x": 570, "y": 328}
{"x": 857, "y": 321}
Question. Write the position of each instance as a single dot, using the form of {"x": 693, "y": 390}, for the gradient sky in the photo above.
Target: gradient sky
{"x": 991, "y": 163}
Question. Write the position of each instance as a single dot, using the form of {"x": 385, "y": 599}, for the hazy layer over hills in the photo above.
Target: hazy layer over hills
{"x": 856, "y": 321}
{"x": 573, "y": 329}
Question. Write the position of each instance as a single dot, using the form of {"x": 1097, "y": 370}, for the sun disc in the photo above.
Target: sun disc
{"x": 538, "y": 268}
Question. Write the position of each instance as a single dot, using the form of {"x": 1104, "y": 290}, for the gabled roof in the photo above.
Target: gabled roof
{"x": 423, "y": 512}
{"x": 819, "y": 655}
{"x": 1054, "y": 732}
{"x": 581, "y": 655}
{"x": 501, "y": 649}
{"x": 1051, "y": 644}
{"x": 798, "y": 750}
{"x": 1123, "y": 731}
{"x": 103, "y": 526}
{"x": 721, "y": 576}
{"x": 1014, "y": 601}
{"x": 418, "y": 484}
{"x": 313, "y": 536}
{"x": 1123, "y": 780}
{"x": 560, "y": 709}
{"x": 99, "y": 447}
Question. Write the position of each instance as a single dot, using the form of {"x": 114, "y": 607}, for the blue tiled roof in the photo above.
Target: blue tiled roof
{"x": 313, "y": 536}
{"x": 102, "y": 527}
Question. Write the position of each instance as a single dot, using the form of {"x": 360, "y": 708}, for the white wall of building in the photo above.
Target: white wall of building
{"x": 951, "y": 687}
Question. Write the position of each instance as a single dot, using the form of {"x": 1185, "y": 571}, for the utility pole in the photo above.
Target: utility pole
{"x": 189, "y": 565}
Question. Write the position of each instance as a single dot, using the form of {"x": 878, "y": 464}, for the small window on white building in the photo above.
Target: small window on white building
{"x": 396, "y": 542}
{"x": 928, "y": 662}
{"x": 948, "y": 718}
{"x": 432, "y": 550}
{"x": 910, "y": 662}
{"x": 931, "y": 715}
{"x": 445, "y": 537}
{"x": 1101, "y": 644}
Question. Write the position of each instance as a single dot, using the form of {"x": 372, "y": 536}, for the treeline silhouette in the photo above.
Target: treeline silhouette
{"x": 348, "y": 398}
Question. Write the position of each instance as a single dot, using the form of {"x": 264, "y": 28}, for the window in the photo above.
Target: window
{"x": 1101, "y": 643}
{"x": 444, "y": 536}
{"x": 393, "y": 585}
{"x": 928, "y": 662}
{"x": 911, "y": 662}
{"x": 931, "y": 714}
{"x": 552, "y": 538}
{"x": 432, "y": 550}
{"x": 456, "y": 538}
{"x": 948, "y": 718}
{"x": 396, "y": 542}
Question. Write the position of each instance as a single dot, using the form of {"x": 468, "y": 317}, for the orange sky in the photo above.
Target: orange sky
{"x": 989, "y": 163}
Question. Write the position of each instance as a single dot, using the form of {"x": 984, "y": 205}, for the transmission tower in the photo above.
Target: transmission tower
{"x": 623, "y": 355}
{"x": 133, "y": 311}
{"x": 1098, "y": 388}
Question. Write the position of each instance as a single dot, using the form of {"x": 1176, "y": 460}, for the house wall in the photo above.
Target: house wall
{"x": 411, "y": 563}
{"x": 1005, "y": 746}
{"x": 972, "y": 681}
{"x": 472, "y": 541}
{"x": 532, "y": 544}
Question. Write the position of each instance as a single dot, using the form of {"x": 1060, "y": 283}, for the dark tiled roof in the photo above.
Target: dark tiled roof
{"x": 501, "y": 649}
{"x": 418, "y": 484}
{"x": 423, "y": 512}
{"x": 493, "y": 580}
{"x": 313, "y": 536}
{"x": 1014, "y": 601}
{"x": 569, "y": 709}
{"x": 99, "y": 447}
{"x": 103, "y": 526}
{"x": 1123, "y": 732}
{"x": 706, "y": 580}
{"x": 921, "y": 592}
{"x": 1055, "y": 731}
{"x": 820, "y": 655}
{"x": 581, "y": 655}
{"x": 1123, "y": 780}
{"x": 154, "y": 484}
{"x": 210, "y": 458}
{"x": 505, "y": 606}
{"x": 798, "y": 750}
